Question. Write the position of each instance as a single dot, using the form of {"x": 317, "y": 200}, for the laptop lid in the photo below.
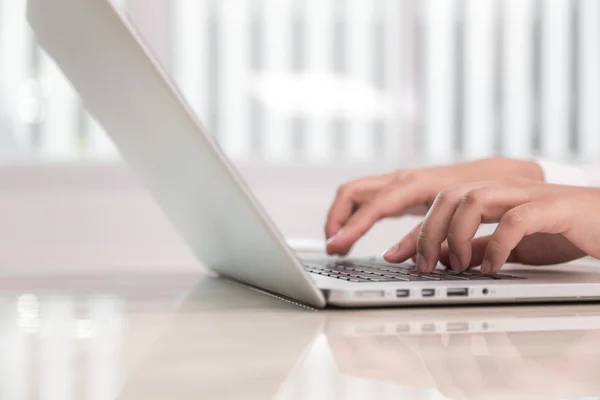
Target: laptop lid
{"x": 122, "y": 85}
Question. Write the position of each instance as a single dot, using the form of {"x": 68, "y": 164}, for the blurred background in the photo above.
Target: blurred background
{"x": 318, "y": 82}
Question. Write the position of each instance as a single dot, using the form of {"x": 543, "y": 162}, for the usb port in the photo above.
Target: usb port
{"x": 457, "y": 327}
{"x": 402, "y": 293}
{"x": 457, "y": 292}
{"x": 428, "y": 292}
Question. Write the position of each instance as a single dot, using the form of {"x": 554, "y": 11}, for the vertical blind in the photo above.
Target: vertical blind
{"x": 323, "y": 80}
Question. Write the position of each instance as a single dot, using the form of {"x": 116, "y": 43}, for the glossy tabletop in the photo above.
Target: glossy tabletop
{"x": 189, "y": 336}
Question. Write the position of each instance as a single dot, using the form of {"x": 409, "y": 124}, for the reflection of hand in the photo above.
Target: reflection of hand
{"x": 538, "y": 223}
{"x": 361, "y": 203}
{"x": 384, "y": 358}
{"x": 517, "y": 366}
{"x": 531, "y": 365}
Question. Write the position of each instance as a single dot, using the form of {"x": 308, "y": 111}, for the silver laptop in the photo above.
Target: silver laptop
{"x": 128, "y": 92}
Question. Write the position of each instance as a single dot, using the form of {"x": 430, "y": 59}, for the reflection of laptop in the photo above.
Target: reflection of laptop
{"x": 516, "y": 353}
{"x": 223, "y": 335}
{"x": 125, "y": 89}
{"x": 473, "y": 321}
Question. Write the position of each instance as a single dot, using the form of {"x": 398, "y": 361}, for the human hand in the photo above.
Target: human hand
{"x": 361, "y": 203}
{"x": 538, "y": 224}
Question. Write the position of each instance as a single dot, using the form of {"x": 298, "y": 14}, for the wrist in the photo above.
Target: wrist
{"x": 527, "y": 169}
{"x": 531, "y": 170}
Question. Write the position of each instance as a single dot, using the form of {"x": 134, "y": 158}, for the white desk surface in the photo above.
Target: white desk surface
{"x": 186, "y": 336}
{"x": 99, "y": 300}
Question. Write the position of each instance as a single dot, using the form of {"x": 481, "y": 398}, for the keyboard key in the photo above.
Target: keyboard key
{"x": 369, "y": 270}
{"x": 504, "y": 276}
{"x": 399, "y": 271}
{"x": 314, "y": 266}
{"x": 455, "y": 278}
{"x": 382, "y": 279}
{"x": 380, "y": 271}
{"x": 431, "y": 277}
{"x": 393, "y": 275}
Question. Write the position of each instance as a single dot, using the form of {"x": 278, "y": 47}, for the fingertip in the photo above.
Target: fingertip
{"x": 486, "y": 267}
{"x": 396, "y": 258}
{"x": 338, "y": 245}
{"x": 422, "y": 265}
{"x": 389, "y": 257}
{"x": 397, "y": 253}
{"x": 332, "y": 229}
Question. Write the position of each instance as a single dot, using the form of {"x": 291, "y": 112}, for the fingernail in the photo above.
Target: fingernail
{"x": 392, "y": 251}
{"x": 486, "y": 267}
{"x": 455, "y": 263}
{"x": 334, "y": 237}
{"x": 421, "y": 263}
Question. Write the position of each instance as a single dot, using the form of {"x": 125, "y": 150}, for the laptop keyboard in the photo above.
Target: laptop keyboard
{"x": 369, "y": 271}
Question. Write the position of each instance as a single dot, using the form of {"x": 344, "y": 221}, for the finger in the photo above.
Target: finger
{"x": 405, "y": 248}
{"x": 434, "y": 356}
{"x": 481, "y": 205}
{"x": 536, "y": 249}
{"x": 545, "y": 249}
{"x": 348, "y": 197}
{"x": 389, "y": 202}
{"x": 478, "y": 248}
{"x": 464, "y": 365}
{"x": 435, "y": 226}
{"x": 544, "y": 216}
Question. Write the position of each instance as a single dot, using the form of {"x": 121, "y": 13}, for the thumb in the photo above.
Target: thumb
{"x": 478, "y": 247}
{"x": 536, "y": 249}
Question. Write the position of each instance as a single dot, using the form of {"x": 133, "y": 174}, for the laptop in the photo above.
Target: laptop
{"x": 129, "y": 93}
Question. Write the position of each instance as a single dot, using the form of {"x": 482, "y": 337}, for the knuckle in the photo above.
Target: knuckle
{"x": 385, "y": 204}
{"x": 345, "y": 189}
{"x": 410, "y": 176}
{"x": 563, "y": 206}
{"x": 371, "y": 211}
{"x": 513, "y": 180}
{"x": 563, "y": 214}
{"x": 376, "y": 212}
{"x": 388, "y": 192}
{"x": 380, "y": 209}
{"x": 423, "y": 235}
{"x": 450, "y": 196}
{"x": 443, "y": 197}
{"x": 474, "y": 198}
{"x": 453, "y": 239}
{"x": 494, "y": 247}
{"x": 513, "y": 218}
